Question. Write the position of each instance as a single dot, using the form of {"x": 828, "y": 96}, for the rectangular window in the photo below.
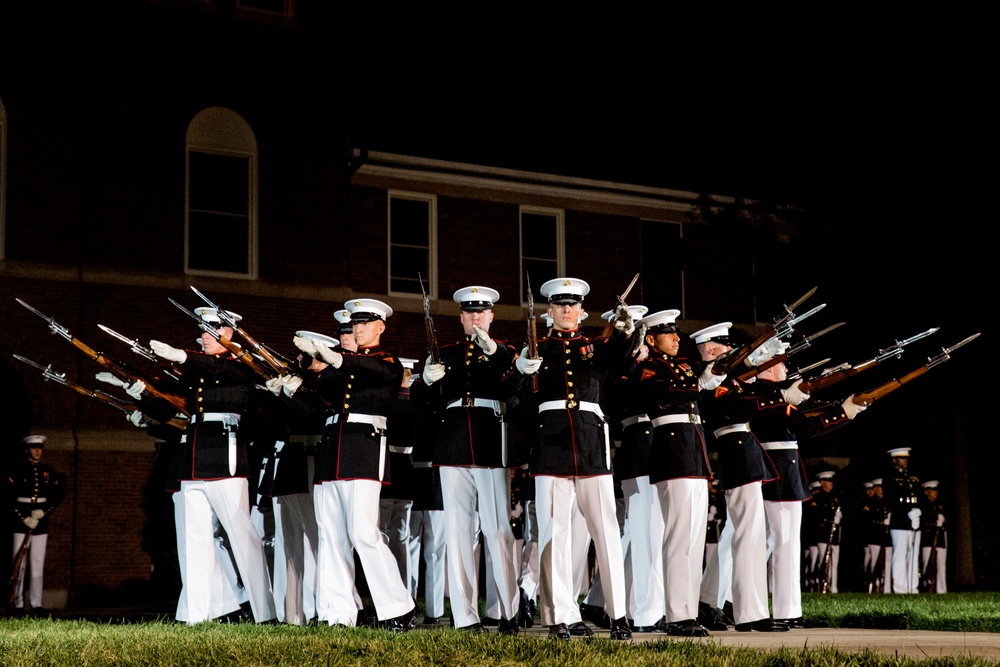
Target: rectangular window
{"x": 662, "y": 274}
{"x": 412, "y": 243}
{"x": 543, "y": 248}
{"x": 220, "y": 237}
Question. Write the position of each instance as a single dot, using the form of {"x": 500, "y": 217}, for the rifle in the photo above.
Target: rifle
{"x": 532, "y": 343}
{"x": 781, "y": 328}
{"x": 621, "y": 309}
{"x": 869, "y": 397}
{"x": 15, "y": 572}
{"x": 828, "y": 556}
{"x": 120, "y": 371}
{"x": 928, "y": 578}
{"x": 234, "y": 349}
{"x": 256, "y": 347}
{"x": 432, "y": 343}
{"x": 103, "y": 397}
{"x": 142, "y": 351}
{"x": 781, "y": 358}
{"x": 845, "y": 371}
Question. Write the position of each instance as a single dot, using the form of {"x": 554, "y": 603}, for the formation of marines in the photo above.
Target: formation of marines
{"x": 289, "y": 471}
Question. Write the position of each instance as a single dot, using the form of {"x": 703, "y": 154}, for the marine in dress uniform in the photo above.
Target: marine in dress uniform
{"x": 744, "y": 467}
{"x": 571, "y": 455}
{"x": 351, "y": 466}
{"x": 667, "y": 389}
{"x": 902, "y": 492}
{"x": 933, "y": 541}
{"x": 213, "y": 470}
{"x": 779, "y": 426}
{"x": 36, "y": 490}
{"x": 826, "y": 514}
{"x": 473, "y": 457}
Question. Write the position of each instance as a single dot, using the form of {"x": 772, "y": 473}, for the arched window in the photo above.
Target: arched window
{"x": 220, "y": 225}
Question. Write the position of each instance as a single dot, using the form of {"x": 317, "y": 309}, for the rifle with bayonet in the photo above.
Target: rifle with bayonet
{"x": 781, "y": 358}
{"x": 241, "y": 355}
{"x": 143, "y": 351}
{"x": 621, "y": 309}
{"x": 532, "y": 342}
{"x": 845, "y": 371}
{"x": 869, "y": 397}
{"x": 433, "y": 349}
{"x": 103, "y": 397}
{"x": 120, "y": 371}
{"x": 782, "y": 327}
{"x": 255, "y": 347}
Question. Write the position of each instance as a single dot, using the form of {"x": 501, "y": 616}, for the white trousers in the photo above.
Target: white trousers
{"x": 556, "y": 498}
{"x": 528, "y": 570}
{"x": 784, "y": 537}
{"x": 684, "y": 505}
{"x": 36, "y": 558}
{"x": 478, "y": 499}
{"x": 296, "y": 540}
{"x": 647, "y": 603}
{"x": 427, "y": 539}
{"x": 905, "y": 566}
{"x": 595, "y": 596}
{"x": 745, "y": 510}
{"x": 347, "y": 518}
{"x": 200, "y": 506}
{"x": 717, "y": 577}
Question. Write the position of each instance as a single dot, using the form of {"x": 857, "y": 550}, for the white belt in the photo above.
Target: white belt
{"x": 586, "y": 406}
{"x": 634, "y": 419}
{"x": 423, "y": 464}
{"x": 780, "y": 444}
{"x": 395, "y": 449}
{"x": 499, "y": 407}
{"x": 732, "y": 428}
{"x": 229, "y": 418}
{"x": 42, "y": 499}
{"x": 378, "y": 421}
{"x": 677, "y": 419}
{"x": 309, "y": 439}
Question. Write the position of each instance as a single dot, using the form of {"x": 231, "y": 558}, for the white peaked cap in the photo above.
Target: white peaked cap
{"x": 637, "y": 312}
{"x": 560, "y": 290}
{"x": 312, "y": 335}
{"x": 720, "y": 330}
{"x": 365, "y": 310}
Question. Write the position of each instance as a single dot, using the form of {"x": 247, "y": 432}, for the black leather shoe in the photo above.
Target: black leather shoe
{"x": 727, "y": 611}
{"x": 475, "y": 629}
{"x": 792, "y": 623}
{"x": 526, "y": 611}
{"x": 686, "y": 628}
{"x": 490, "y": 622}
{"x": 659, "y": 626}
{"x": 432, "y": 620}
{"x": 763, "y": 625}
{"x": 580, "y": 629}
{"x": 507, "y": 627}
{"x": 402, "y": 623}
{"x": 559, "y": 631}
{"x": 619, "y": 629}
{"x": 595, "y": 615}
{"x": 712, "y": 617}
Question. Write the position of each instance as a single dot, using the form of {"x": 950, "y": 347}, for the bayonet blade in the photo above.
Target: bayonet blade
{"x": 810, "y": 367}
{"x": 204, "y": 298}
{"x": 959, "y": 344}
{"x": 807, "y": 340}
{"x": 628, "y": 289}
{"x": 35, "y": 310}
{"x": 32, "y": 363}
{"x": 786, "y": 328}
{"x": 924, "y": 334}
{"x": 798, "y": 302}
{"x": 109, "y": 330}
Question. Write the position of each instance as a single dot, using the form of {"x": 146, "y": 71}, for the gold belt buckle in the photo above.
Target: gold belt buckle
{"x": 693, "y": 418}
{"x": 570, "y": 404}
{"x": 470, "y": 402}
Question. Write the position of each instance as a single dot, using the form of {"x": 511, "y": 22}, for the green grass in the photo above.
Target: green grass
{"x": 36, "y": 641}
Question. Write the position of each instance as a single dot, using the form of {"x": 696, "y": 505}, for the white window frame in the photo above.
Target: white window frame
{"x": 560, "y": 216}
{"x": 431, "y": 279}
{"x": 220, "y": 131}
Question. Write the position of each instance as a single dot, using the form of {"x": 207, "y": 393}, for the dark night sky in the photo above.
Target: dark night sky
{"x": 879, "y": 126}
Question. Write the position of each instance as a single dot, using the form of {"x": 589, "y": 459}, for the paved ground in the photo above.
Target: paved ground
{"x": 917, "y": 644}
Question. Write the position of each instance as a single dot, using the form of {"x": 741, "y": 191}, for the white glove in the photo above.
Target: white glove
{"x": 940, "y": 520}
{"x": 623, "y": 320}
{"x": 888, "y": 518}
{"x": 37, "y": 514}
{"x": 837, "y": 516}
{"x": 31, "y": 522}
{"x": 167, "y": 352}
{"x": 851, "y": 409}
{"x": 110, "y": 379}
{"x": 305, "y": 345}
{"x": 792, "y": 395}
{"x": 483, "y": 340}
{"x": 274, "y": 385}
{"x": 290, "y": 384}
{"x": 770, "y": 348}
{"x": 328, "y": 355}
{"x": 433, "y": 372}
{"x": 135, "y": 417}
{"x": 517, "y": 511}
{"x": 708, "y": 381}
{"x": 712, "y": 511}
{"x": 525, "y": 365}
{"x": 914, "y": 515}
{"x": 135, "y": 389}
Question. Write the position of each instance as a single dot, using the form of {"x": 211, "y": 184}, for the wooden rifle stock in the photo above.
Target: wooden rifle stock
{"x": 272, "y": 361}
{"x": 247, "y": 358}
{"x": 757, "y": 370}
{"x": 824, "y": 381}
{"x": 736, "y": 357}
{"x": 869, "y": 397}
{"x": 125, "y": 374}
